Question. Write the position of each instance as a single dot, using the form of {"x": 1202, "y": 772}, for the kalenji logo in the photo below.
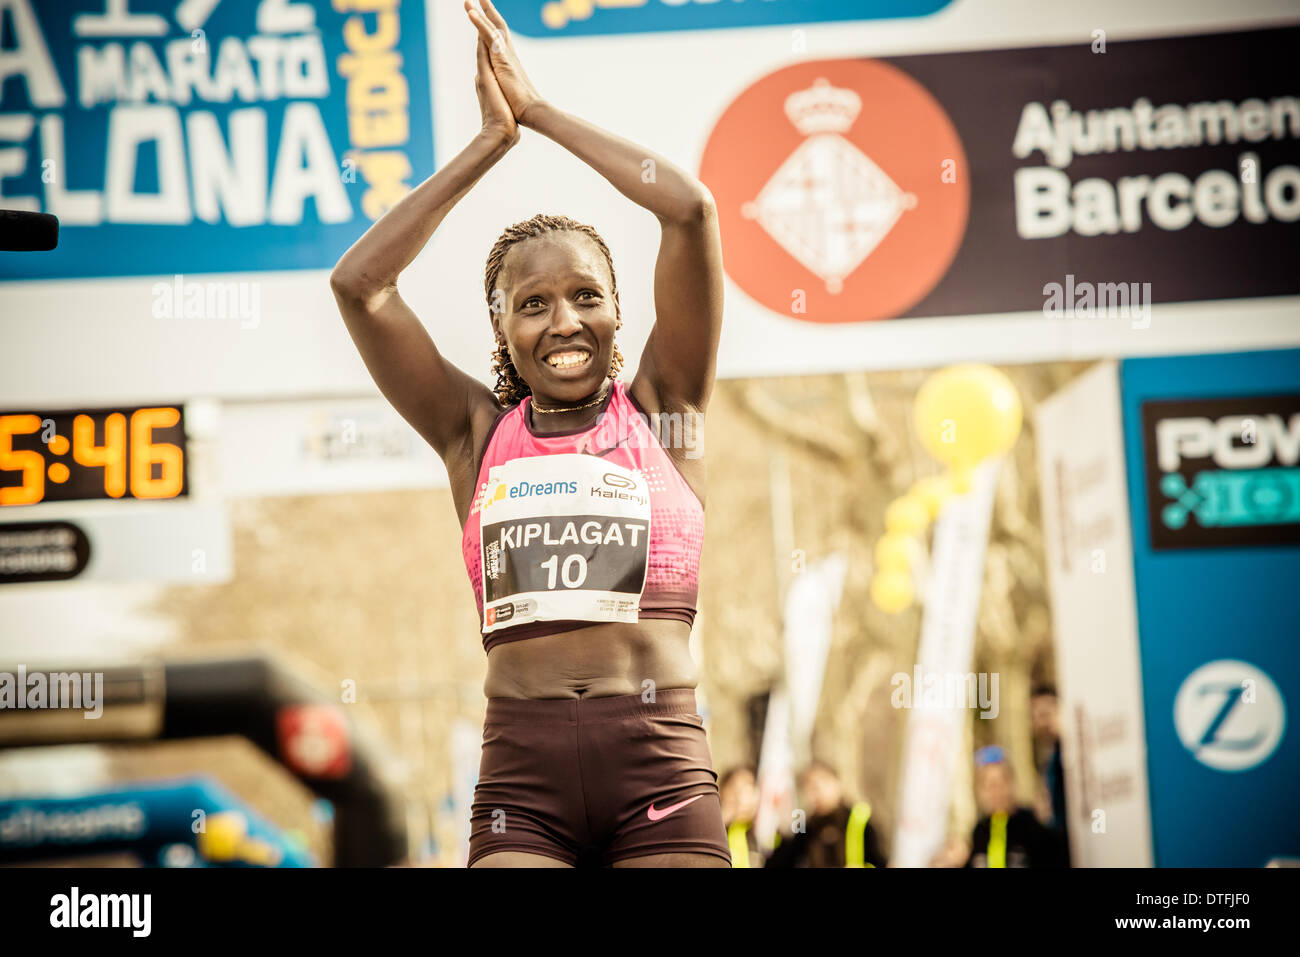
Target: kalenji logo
{"x": 852, "y": 203}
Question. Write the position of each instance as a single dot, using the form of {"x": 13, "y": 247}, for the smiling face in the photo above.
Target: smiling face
{"x": 559, "y": 315}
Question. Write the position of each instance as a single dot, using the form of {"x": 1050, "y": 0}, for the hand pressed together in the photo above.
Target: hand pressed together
{"x": 513, "y": 82}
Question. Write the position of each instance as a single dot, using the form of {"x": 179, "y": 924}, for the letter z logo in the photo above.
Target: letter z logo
{"x": 1230, "y": 715}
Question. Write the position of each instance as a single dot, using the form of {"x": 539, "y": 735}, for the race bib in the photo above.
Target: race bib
{"x": 563, "y": 537}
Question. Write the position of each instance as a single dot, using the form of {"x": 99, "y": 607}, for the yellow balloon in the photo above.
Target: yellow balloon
{"x": 222, "y": 834}
{"x": 933, "y": 491}
{"x": 892, "y": 591}
{"x": 894, "y": 552}
{"x": 967, "y": 412}
{"x": 906, "y": 515}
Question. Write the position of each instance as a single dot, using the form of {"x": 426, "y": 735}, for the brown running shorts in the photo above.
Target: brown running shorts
{"x": 596, "y": 780}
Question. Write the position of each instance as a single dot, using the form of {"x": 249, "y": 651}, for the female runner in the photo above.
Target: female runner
{"x": 581, "y": 529}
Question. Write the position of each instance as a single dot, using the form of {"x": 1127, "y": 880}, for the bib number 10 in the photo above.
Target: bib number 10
{"x": 573, "y": 573}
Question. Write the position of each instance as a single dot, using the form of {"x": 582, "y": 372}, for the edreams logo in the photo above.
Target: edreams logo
{"x": 853, "y": 203}
{"x": 527, "y": 490}
{"x": 1223, "y": 471}
{"x": 551, "y": 18}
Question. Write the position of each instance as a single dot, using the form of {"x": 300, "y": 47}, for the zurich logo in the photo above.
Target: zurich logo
{"x": 1230, "y": 715}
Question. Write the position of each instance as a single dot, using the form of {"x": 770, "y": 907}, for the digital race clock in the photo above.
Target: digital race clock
{"x": 92, "y": 454}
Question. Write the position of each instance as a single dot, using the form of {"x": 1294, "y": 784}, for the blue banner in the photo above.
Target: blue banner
{"x": 1212, "y": 444}
{"x": 192, "y": 136}
{"x": 558, "y": 18}
{"x": 183, "y": 823}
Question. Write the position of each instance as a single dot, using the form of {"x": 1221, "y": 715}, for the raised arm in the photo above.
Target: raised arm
{"x": 679, "y": 361}
{"x": 440, "y": 401}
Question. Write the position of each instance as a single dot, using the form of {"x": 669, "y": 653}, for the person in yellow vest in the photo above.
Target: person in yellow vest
{"x": 1007, "y": 835}
{"x": 738, "y": 789}
{"x": 835, "y": 833}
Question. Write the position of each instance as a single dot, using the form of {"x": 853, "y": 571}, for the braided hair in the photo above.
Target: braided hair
{"x": 511, "y": 387}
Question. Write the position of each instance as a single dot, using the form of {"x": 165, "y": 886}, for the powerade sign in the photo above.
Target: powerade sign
{"x": 1223, "y": 472}
{"x": 173, "y": 136}
{"x": 550, "y": 18}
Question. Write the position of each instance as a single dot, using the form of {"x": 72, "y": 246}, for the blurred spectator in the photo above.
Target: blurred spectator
{"x": 836, "y": 834}
{"x": 1007, "y": 835}
{"x": 739, "y": 791}
{"x": 1047, "y": 748}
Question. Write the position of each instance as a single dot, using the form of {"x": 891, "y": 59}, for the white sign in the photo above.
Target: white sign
{"x": 934, "y": 734}
{"x": 322, "y": 446}
{"x": 776, "y": 785}
{"x": 168, "y": 542}
{"x": 1089, "y": 550}
{"x": 299, "y": 346}
{"x": 809, "y": 616}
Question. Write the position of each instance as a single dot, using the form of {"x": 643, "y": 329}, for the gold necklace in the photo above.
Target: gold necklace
{"x": 569, "y": 408}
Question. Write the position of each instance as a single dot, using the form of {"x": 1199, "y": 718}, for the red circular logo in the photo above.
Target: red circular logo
{"x": 842, "y": 190}
{"x": 314, "y": 740}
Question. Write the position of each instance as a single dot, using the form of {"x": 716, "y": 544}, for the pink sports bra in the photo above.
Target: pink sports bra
{"x": 623, "y": 436}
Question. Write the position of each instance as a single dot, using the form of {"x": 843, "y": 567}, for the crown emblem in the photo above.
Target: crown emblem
{"x": 823, "y": 108}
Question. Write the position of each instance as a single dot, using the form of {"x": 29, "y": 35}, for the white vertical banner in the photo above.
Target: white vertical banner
{"x": 810, "y": 608}
{"x": 1089, "y": 551}
{"x": 809, "y": 615}
{"x": 947, "y": 647}
{"x": 776, "y": 793}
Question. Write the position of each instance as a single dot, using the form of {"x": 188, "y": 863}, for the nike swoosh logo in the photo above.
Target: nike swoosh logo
{"x": 605, "y": 452}
{"x": 655, "y": 815}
